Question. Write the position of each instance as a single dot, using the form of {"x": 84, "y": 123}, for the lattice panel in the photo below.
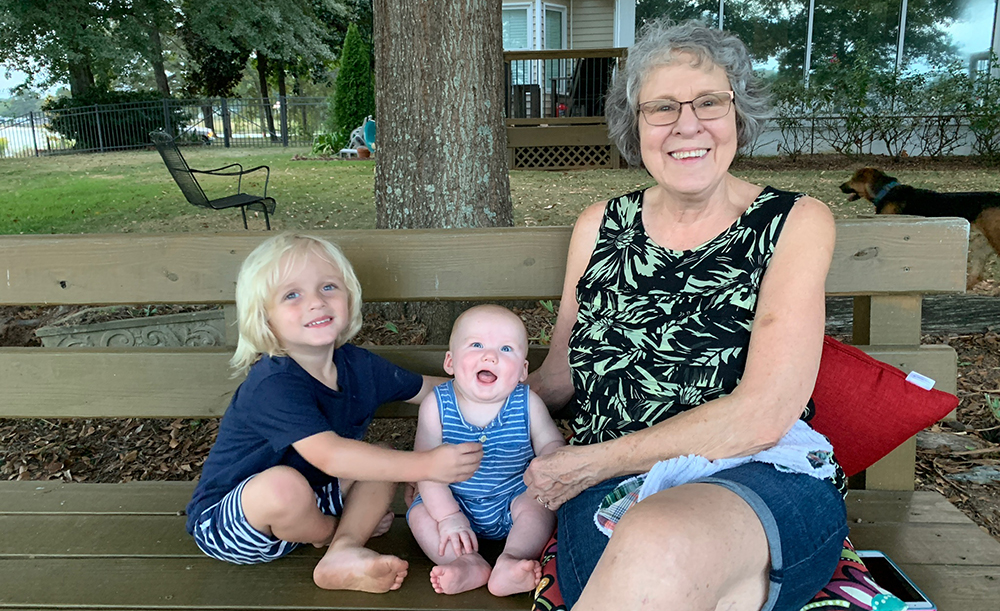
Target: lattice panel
{"x": 562, "y": 157}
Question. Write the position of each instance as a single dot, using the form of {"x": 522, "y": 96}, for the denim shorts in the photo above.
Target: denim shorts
{"x": 804, "y": 519}
{"x": 223, "y": 533}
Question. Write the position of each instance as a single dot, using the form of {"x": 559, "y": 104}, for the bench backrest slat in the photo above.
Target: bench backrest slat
{"x": 873, "y": 256}
{"x": 195, "y": 383}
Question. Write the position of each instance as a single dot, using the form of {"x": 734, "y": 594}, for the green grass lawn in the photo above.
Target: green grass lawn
{"x": 132, "y": 192}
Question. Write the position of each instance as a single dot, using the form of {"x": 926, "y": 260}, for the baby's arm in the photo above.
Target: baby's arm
{"x": 453, "y": 525}
{"x": 545, "y": 435}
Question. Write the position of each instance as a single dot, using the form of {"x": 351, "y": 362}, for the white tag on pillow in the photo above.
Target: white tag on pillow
{"x": 920, "y": 380}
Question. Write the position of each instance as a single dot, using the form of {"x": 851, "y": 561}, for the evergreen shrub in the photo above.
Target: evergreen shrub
{"x": 354, "y": 97}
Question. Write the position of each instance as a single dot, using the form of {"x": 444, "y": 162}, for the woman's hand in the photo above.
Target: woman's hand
{"x": 559, "y": 476}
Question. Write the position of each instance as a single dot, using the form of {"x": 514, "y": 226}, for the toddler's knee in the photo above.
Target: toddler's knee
{"x": 280, "y": 487}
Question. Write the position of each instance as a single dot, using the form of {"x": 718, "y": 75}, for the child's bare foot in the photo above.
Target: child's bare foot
{"x": 384, "y": 525}
{"x": 465, "y": 573}
{"x": 359, "y": 568}
{"x": 513, "y": 575}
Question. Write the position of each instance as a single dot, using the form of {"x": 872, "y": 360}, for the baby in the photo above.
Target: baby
{"x": 485, "y": 403}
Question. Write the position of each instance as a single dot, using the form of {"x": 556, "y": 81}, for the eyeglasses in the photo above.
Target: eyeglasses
{"x": 706, "y": 107}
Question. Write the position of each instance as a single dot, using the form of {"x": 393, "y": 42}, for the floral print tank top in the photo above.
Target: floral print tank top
{"x": 660, "y": 331}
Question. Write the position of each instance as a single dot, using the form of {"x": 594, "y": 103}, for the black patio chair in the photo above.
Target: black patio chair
{"x": 183, "y": 175}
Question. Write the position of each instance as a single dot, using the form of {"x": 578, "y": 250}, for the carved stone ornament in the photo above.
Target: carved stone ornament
{"x": 189, "y": 329}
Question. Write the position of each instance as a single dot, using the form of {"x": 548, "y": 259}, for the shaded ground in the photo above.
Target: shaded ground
{"x": 132, "y": 449}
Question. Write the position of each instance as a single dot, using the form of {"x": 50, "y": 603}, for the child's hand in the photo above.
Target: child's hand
{"x": 456, "y": 531}
{"x": 455, "y": 463}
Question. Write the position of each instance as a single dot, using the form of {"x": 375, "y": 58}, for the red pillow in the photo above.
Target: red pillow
{"x": 867, "y": 408}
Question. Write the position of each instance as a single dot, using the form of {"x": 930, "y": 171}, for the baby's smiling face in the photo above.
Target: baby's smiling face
{"x": 488, "y": 354}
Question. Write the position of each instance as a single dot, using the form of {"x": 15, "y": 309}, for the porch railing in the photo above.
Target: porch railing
{"x": 564, "y": 83}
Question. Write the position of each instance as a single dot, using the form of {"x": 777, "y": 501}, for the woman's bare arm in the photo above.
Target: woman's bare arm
{"x": 552, "y": 380}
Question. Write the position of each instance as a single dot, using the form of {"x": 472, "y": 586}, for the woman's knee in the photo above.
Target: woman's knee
{"x": 656, "y": 531}
{"x": 688, "y": 531}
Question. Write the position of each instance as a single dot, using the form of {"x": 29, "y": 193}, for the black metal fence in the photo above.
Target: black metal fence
{"x": 233, "y": 122}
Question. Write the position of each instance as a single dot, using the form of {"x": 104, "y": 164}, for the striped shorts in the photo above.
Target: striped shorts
{"x": 223, "y": 533}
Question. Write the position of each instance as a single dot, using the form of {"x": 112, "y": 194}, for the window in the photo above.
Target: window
{"x": 555, "y": 38}
{"x": 516, "y": 30}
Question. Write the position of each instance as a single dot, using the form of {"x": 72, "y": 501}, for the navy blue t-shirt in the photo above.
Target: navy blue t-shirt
{"x": 280, "y": 403}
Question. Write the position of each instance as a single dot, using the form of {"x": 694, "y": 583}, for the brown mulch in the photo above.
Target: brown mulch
{"x": 977, "y": 426}
{"x": 134, "y": 449}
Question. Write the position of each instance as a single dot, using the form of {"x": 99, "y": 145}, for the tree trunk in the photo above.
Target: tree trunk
{"x": 262, "y": 69}
{"x": 279, "y": 68}
{"x": 441, "y": 139}
{"x": 297, "y": 92}
{"x": 156, "y": 58}
{"x": 81, "y": 76}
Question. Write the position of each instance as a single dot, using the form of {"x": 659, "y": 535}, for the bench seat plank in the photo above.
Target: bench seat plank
{"x": 170, "y": 498}
{"x": 158, "y": 536}
{"x": 99, "y": 548}
{"x": 203, "y": 583}
{"x": 882, "y": 506}
{"x": 957, "y": 588}
{"x": 141, "y": 535}
{"x": 195, "y": 382}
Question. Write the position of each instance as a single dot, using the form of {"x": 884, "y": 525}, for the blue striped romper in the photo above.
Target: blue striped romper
{"x": 485, "y": 498}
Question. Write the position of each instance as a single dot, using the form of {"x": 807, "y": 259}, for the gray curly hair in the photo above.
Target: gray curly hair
{"x": 659, "y": 44}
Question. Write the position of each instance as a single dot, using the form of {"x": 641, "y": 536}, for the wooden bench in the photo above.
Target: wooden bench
{"x": 100, "y": 546}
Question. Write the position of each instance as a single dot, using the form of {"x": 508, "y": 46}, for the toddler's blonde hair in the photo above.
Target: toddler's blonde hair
{"x": 261, "y": 272}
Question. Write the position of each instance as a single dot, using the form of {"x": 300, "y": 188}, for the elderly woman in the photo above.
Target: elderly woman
{"x": 691, "y": 323}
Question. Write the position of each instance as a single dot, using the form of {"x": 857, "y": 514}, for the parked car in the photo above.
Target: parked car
{"x": 196, "y": 133}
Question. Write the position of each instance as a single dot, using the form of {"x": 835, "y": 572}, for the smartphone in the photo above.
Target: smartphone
{"x": 892, "y": 579}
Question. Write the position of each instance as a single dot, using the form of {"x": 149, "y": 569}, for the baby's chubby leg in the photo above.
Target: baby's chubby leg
{"x": 452, "y": 574}
{"x": 518, "y": 568}
{"x": 348, "y": 564}
{"x": 281, "y": 503}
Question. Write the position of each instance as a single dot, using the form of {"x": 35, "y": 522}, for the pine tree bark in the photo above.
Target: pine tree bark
{"x": 441, "y": 140}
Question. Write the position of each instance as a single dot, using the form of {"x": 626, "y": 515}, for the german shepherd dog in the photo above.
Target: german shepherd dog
{"x": 981, "y": 209}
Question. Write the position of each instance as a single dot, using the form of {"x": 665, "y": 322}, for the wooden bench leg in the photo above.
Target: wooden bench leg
{"x": 896, "y": 471}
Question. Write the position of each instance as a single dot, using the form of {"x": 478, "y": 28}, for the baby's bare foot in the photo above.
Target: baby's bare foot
{"x": 465, "y": 573}
{"x": 513, "y": 575}
{"x": 359, "y": 568}
{"x": 384, "y": 525}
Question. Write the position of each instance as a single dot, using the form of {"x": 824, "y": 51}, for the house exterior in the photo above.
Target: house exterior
{"x": 567, "y": 24}
{"x": 559, "y": 56}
